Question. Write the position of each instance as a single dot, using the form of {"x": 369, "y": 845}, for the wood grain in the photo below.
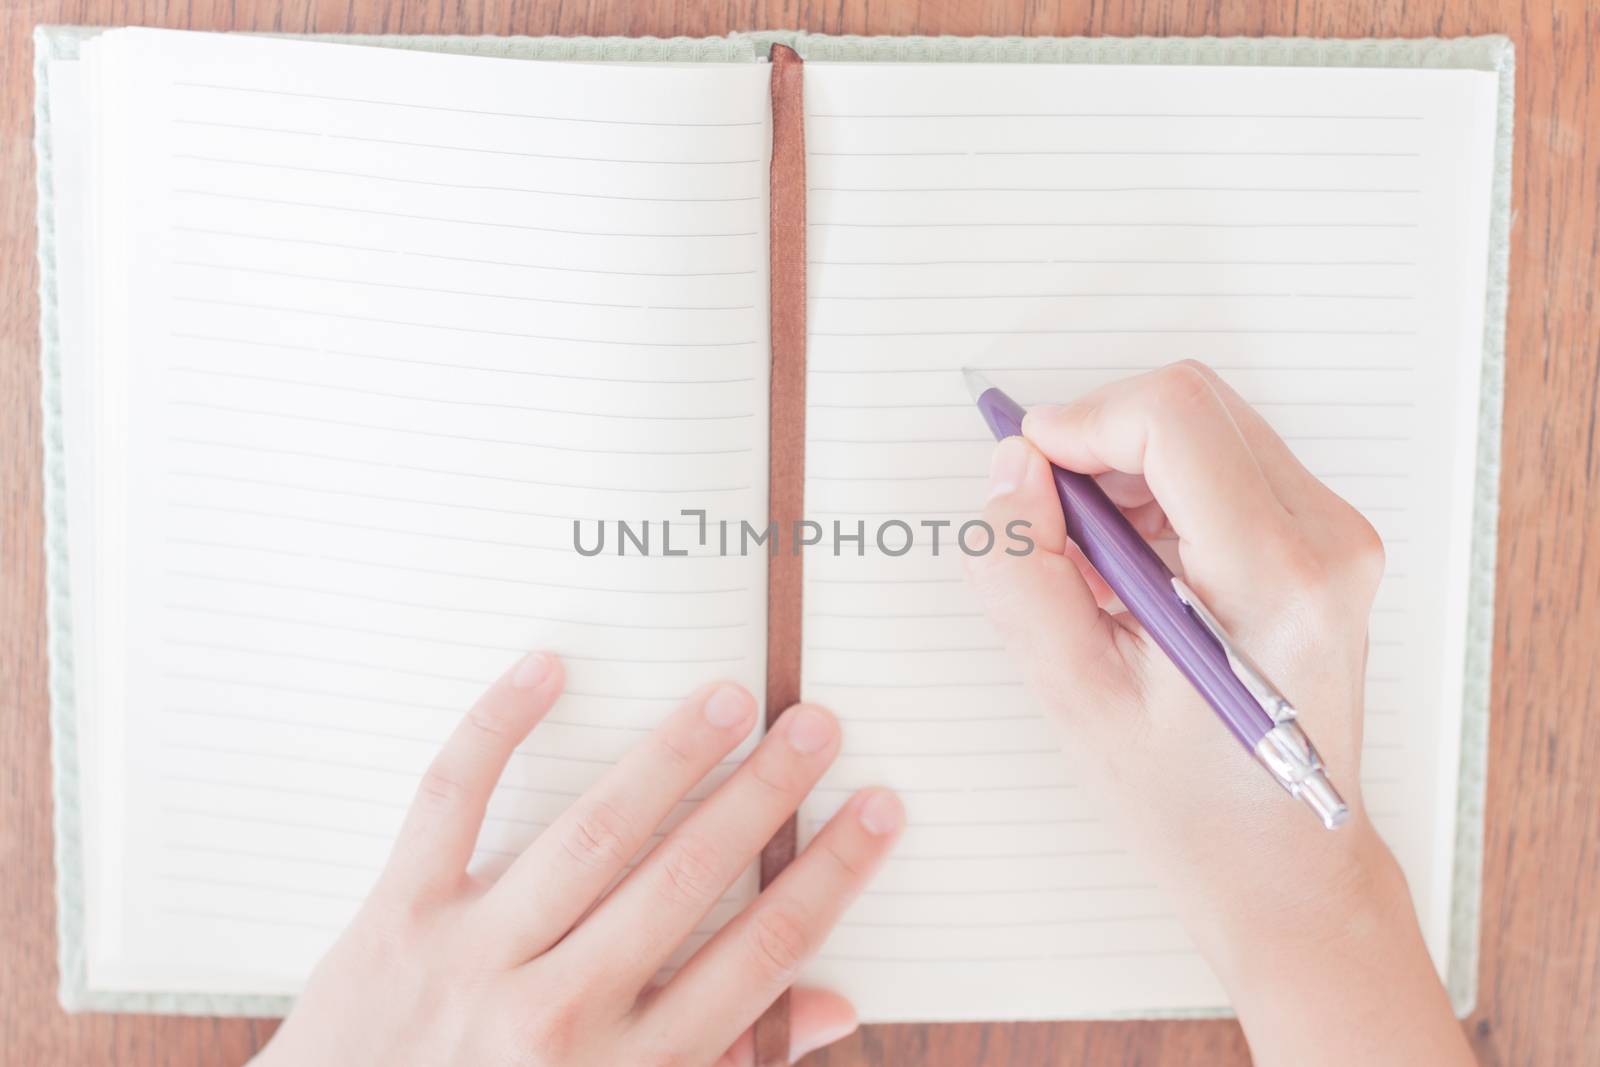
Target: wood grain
{"x": 1540, "y": 982}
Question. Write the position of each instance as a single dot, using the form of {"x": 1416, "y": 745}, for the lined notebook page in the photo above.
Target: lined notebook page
{"x": 395, "y": 319}
{"x": 1319, "y": 237}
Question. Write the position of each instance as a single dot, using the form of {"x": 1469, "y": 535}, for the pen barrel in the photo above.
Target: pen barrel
{"x": 1143, "y": 582}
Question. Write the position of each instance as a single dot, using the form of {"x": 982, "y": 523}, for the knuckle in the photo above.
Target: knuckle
{"x": 1302, "y": 567}
{"x": 553, "y": 1030}
{"x": 439, "y": 791}
{"x": 392, "y": 927}
{"x": 690, "y": 871}
{"x": 1183, "y": 384}
{"x": 599, "y": 836}
{"x": 674, "y": 751}
{"x": 491, "y": 723}
{"x": 1197, "y": 367}
{"x": 1364, "y": 554}
{"x": 775, "y": 772}
{"x": 780, "y": 942}
{"x": 847, "y": 864}
{"x": 661, "y": 1058}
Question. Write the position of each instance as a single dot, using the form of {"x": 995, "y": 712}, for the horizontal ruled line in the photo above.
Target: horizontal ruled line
{"x": 351, "y": 765}
{"x": 1030, "y": 402}
{"x": 961, "y": 857}
{"x": 983, "y": 475}
{"x": 572, "y": 724}
{"x": 1077, "y": 820}
{"x": 1112, "y": 189}
{"x": 368, "y": 527}
{"x": 417, "y": 469}
{"x": 1051, "y": 262}
{"x": 255, "y": 920}
{"x": 391, "y": 668}
{"x": 903, "y": 649}
{"x": 205, "y": 405}
{"x": 272, "y": 787}
{"x": 341, "y": 493}
{"x": 1007, "y": 924}
{"x": 1120, "y": 368}
{"x": 890, "y": 477}
{"x": 967, "y": 754}
{"x": 388, "y": 735}
{"x": 889, "y": 615}
{"x": 462, "y": 148}
{"x": 302, "y": 623}
{"x": 334, "y": 172}
{"x": 424, "y": 605}
{"x": 1110, "y": 295}
{"x": 1113, "y": 332}
{"x": 943, "y": 720}
{"x": 422, "y": 398}
{"x": 1009, "y": 891}
{"x": 1111, "y": 115}
{"x": 1035, "y": 956}
{"x": 1175, "y": 224}
{"x": 496, "y": 578}
{"x": 962, "y": 440}
{"x": 948, "y": 790}
{"x": 260, "y": 887}
{"x": 886, "y": 581}
{"x": 556, "y": 267}
{"x": 1126, "y": 152}
{"x": 831, "y": 684}
{"x": 289, "y": 824}
{"x": 321, "y": 313}
{"x": 518, "y": 371}
{"x": 454, "y": 110}
{"x": 349, "y": 209}
{"x": 476, "y": 293}
{"x": 316, "y": 761}
{"x": 278, "y": 857}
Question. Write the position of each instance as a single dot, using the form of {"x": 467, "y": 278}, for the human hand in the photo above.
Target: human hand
{"x": 1291, "y": 570}
{"x": 543, "y": 967}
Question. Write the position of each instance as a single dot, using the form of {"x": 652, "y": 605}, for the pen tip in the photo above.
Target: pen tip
{"x": 977, "y": 384}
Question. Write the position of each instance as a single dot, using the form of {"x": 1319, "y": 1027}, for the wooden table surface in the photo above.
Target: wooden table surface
{"x": 1539, "y": 999}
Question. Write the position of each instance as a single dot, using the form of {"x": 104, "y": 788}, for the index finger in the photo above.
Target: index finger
{"x": 441, "y": 828}
{"x": 1173, "y": 428}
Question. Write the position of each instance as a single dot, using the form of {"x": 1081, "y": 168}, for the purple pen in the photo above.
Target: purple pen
{"x": 1249, "y": 705}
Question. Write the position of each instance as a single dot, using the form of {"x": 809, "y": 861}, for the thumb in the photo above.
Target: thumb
{"x": 1039, "y": 600}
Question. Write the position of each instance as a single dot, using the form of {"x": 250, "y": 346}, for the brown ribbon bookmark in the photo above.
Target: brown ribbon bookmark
{"x": 786, "y": 476}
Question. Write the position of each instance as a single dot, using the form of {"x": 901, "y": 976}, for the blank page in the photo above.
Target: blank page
{"x": 1319, "y": 236}
{"x": 392, "y": 322}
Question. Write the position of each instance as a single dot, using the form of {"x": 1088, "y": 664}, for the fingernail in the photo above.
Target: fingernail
{"x": 808, "y": 730}
{"x": 882, "y": 813}
{"x": 534, "y": 669}
{"x": 1042, "y": 413}
{"x": 728, "y": 706}
{"x": 810, "y": 1041}
{"x": 1008, "y": 467}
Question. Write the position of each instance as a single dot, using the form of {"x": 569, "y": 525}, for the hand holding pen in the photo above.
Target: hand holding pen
{"x": 1177, "y": 621}
{"x": 1308, "y": 930}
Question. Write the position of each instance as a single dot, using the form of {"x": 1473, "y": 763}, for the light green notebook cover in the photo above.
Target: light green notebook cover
{"x": 1472, "y": 53}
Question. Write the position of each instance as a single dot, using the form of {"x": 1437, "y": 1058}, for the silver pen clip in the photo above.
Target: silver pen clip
{"x": 1284, "y": 750}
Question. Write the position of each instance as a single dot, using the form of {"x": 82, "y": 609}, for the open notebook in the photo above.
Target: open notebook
{"x": 341, "y": 340}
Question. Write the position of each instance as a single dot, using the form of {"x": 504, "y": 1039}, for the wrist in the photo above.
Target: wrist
{"x": 1336, "y": 971}
{"x": 1347, "y": 892}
